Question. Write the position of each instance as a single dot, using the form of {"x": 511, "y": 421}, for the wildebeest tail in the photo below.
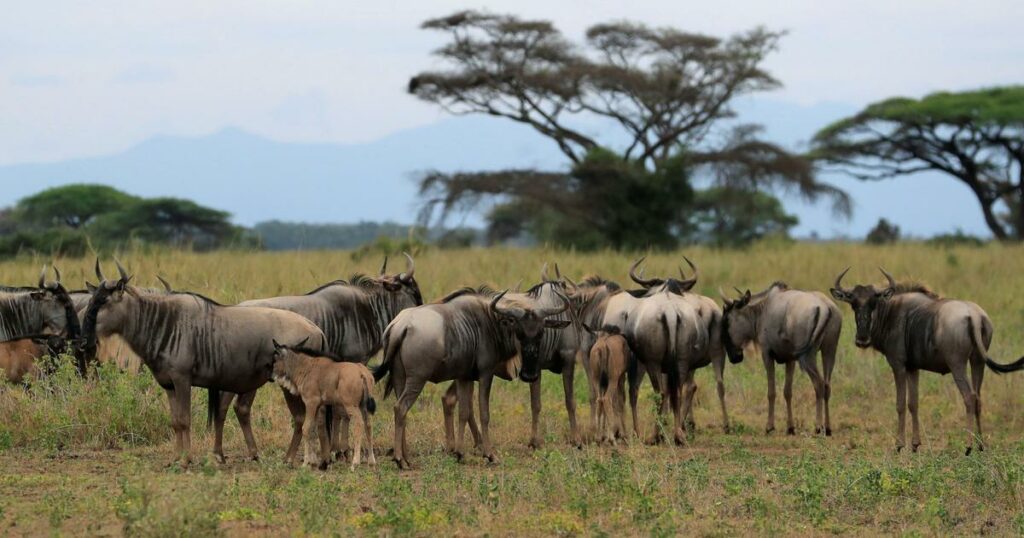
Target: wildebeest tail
{"x": 391, "y": 348}
{"x": 212, "y": 406}
{"x": 368, "y": 402}
{"x": 668, "y": 362}
{"x": 816, "y": 331}
{"x": 328, "y": 419}
{"x": 602, "y": 364}
{"x": 979, "y": 345}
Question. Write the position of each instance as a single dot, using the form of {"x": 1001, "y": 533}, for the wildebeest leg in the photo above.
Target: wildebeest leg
{"x": 243, "y": 411}
{"x": 448, "y": 401}
{"x": 568, "y": 376}
{"x": 485, "y": 417}
{"x": 355, "y": 419}
{"x": 368, "y": 431}
{"x": 183, "y": 400}
{"x": 828, "y": 361}
{"x": 787, "y": 393}
{"x": 618, "y": 403}
{"x": 172, "y": 405}
{"x": 298, "y": 411}
{"x": 309, "y": 430}
{"x": 339, "y": 435}
{"x": 689, "y": 388}
{"x": 535, "y": 440}
{"x": 912, "y": 404}
{"x": 465, "y": 396}
{"x": 218, "y": 425}
{"x": 411, "y": 391}
{"x": 977, "y": 375}
{"x": 636, "y": 376}
{"x": 320, "y": 431}
{"x": 901, "y": 407}
{"x": 584, "y": 359}
{"x": 769, "y": 369}
{"x": 809, "y": 364}
{"x": 718, "y": 363}
{"x": 959, "y": 371}
{"x": 659, "y": 385}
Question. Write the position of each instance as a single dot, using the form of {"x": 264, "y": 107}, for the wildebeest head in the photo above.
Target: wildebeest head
{"x": 528, "y": 324}
{"x": 737, "y": 329}
{"x": 864, "y": 300}
{"x": 106, "y": 309}
{"x": 54, "y": 307}
{"x": 672, "y": 285}
{"x": 403, "y": 283}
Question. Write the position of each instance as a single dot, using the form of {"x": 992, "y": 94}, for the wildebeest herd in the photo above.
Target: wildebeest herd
{"x": 316, "y": 347}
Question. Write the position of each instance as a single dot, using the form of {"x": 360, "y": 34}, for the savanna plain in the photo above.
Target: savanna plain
{"x": 92, "y": 457}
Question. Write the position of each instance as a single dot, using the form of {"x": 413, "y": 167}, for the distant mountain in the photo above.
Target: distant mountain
{"x": 258, "y": 179}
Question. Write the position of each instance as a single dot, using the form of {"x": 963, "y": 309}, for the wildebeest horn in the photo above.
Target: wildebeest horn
{"x": 544, "y": 274}
{"x": 167, "y": 285}
{"x": 838, "y": 285}
{"x": 99, "y": 272}
{"x": 57, "y": 273}
{"x": 892, "y": 281}
{"x": 554, "y": 310}
{"x": 725, "y": 299}
{"x": 571, "y": 283}
{"x": 558, "y": 274}
{"x": 518, "y": 285}
{"x": 42, "y": 277}
{"x": 410, "y": 266}
{"x": 384, "y": 268}
{"x": 515, "y": 312}
{"x": 696, "y": 273}
{"x": 638, "y": 279}
{"x": 121, "y": 271}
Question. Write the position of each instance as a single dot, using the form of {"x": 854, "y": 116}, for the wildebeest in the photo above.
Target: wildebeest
{"x": 461, "y": 338}
{"x": 112, "y": 348}
{"x": 352, "y": 314}
{"x": 35, "y": 312}
{"x": 609, "y": 360}
{"x": 18, "y": 358}
{"x": 188, "y": 340}
{"x": 918, "y": 330}
{"x": 789, "y": 327}
{"x": 319, "y": 378}
{"x": 710, "y": 315}
{"x": 668, "y": 338}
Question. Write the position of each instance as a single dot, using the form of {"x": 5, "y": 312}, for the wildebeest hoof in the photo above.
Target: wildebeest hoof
{"x": 535, "y": 443}
{"x": 390, "y": 452}
{"x": 769, "y": 430}
{"x": 899, "y": 448}
{"x": 828, "y": 432}
{"x": 817, "y": 430}
{"x": 491, "y": 459}
{"x": 254, "y": 457}
{"x": 913, "y": 447}
{"x": 968, "y": 451}
{"x": 340, "y": 455}
{"x": 792, "y": 431}
{"x": 726, "y": 429}
{"x": 220, "y": 458}
{"x": 458, "y": 455}
{"x": 322, "y": 466}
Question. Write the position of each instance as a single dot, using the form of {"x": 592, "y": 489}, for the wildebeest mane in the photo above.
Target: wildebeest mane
{"x": 595, "y": 281}
{"x": 316, "y": 353}
{"x": 483, "y": 290}
{"x": 915, "y": 287}
{"x": 358, "y": 280}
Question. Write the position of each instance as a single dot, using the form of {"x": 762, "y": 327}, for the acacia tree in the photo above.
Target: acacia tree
{"x": 669, "y": 91}
{"x": 976, "y": 137}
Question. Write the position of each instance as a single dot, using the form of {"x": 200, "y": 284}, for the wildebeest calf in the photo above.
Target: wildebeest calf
{"x": 18, "y": 357}
{"x": 609, "y": 360}
{"x": 320, "y": 380}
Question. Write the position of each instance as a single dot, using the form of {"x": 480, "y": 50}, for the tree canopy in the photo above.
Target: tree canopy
{"x": 669, "y": 91}
{"x": 974, "y": 136}
{"x": 71, "y": 218}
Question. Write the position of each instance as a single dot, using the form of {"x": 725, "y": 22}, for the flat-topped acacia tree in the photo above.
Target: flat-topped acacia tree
{"x": 975, "y": 136}
{"x": 669, "y": 91}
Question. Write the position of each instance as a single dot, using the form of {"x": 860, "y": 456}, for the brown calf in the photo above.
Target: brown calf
{"x": 609, "y": 360}
{"x": 319, "y": 380}
{"x": 18, "y": 357}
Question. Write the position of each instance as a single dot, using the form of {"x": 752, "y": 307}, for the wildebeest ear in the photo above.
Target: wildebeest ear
{"x": 840, "y": 294}
{"x": 588, "y": 329}
{"x": 276, "y": 344}
{"x": 302, "y": 343}
{"x": 90, "y": 287}
{"x": 556, "y": 323}
{"x": 887, "y": 293}
{"x": 37, "y": 295}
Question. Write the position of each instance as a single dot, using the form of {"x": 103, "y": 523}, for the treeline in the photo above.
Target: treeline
{"x": 76, "y": 219}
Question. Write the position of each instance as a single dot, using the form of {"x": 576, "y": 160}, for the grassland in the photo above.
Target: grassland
{"x": 91, "y": 457}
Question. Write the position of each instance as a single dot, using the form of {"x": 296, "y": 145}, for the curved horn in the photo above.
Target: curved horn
{"x": 554, "y": 310}
{"x": 839, "y": 279}
{"x": 121, "y": 271}
{"x": 99, "y": 272}
{"x": 42, "y": 277}
{"x": 384, "y": 268}
{"x": 639, "y": 279}
{"x": 167, "y": 285}
{"x": 544, "y": 274}
{"x": 558, "y": 274}
{"x": 410, "y": 266}
{"x": 696, "y": 273}
{"x": 516, "y": 313}
{"x": 518, "y": 285}
{"x": 725, "y": 299}
{"x": 570, "y": 282}
{"x": 57, "y": 272}
{"x": 892, "y": 281}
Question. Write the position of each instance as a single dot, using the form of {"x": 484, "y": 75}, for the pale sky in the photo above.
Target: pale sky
{"x": 85, "y": 78}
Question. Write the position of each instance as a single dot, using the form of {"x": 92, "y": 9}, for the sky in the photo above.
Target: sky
{"x": 79, "y": 79}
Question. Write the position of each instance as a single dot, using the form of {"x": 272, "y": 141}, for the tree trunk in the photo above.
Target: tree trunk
{"x": 998, "y": 230}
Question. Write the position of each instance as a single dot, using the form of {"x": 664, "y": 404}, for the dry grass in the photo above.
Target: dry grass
{"x": 91, "y": 457}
